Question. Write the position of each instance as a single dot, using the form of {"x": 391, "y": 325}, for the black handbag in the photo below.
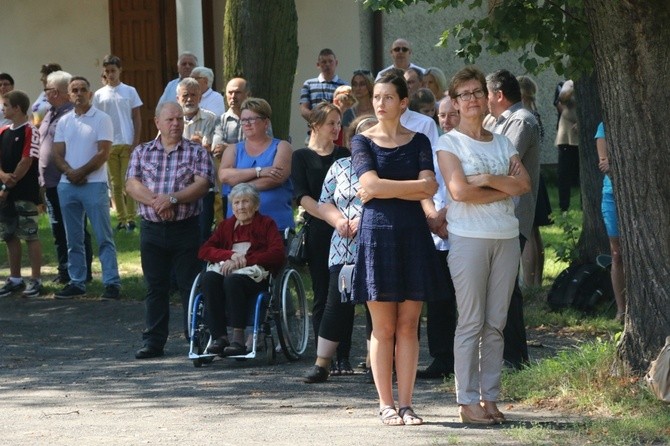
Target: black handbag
{"x": 297, "y": 246}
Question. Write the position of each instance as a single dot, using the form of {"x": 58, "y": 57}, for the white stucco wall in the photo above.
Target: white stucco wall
{"x": 424, "y": 32}
{"x": 73, "y": 33}
{"x": 334, "y": 24}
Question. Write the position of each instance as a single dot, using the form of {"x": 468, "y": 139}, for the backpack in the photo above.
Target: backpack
{"x": 580, "y": 286}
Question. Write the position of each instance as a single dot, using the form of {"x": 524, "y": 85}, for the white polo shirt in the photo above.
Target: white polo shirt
{"x": 81, "y": 134}
{"x": 118, "y": 102}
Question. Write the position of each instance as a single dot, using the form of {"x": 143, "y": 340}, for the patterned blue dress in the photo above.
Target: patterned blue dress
{"x": 396, "y": 259}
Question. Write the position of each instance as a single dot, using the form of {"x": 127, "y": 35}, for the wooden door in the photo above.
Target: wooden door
{"x": 144, "y": 36}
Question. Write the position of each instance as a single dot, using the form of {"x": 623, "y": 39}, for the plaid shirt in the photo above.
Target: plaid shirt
{"x": 165, "y": 173}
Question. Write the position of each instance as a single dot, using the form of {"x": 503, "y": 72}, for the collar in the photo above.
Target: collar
{"x": 334, "y": 80}
{"x": 90, "y": 112}
{"x": 157, "y": 145}
{"x": 507, "y": 113}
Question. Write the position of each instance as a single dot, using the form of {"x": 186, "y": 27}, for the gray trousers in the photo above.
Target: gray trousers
{"x": 483, "y": 272}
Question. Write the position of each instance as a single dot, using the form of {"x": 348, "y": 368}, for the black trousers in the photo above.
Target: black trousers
{"x": 230, "y": 298}
{"x": 568, "y": 174}
{"x": 58, "y": 232}
{"x": 442, "y": 318}
{"x": 337, "y": 323}
{"x": 164, "y": 247}
{"x": 318, "y": 248}
{"x": 516, "y": 346}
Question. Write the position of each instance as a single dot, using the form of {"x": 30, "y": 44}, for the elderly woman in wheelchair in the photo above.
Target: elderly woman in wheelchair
{"x": 242, "y": 253}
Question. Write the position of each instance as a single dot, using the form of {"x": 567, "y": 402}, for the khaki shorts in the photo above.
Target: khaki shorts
{"x": 19, "y": 219}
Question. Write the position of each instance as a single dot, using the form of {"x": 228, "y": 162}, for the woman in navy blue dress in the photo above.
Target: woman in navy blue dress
{"x": 396, "y": 265}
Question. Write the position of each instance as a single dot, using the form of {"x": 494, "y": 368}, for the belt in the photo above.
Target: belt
{"x": 184, "y": 222}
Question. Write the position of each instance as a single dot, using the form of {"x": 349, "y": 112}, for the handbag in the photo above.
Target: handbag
{"x": 344, "y": 282}
{"x": 297, "y": 247}
{"x": 658, "y": 377}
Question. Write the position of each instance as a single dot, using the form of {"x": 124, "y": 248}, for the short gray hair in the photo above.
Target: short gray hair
{"x": 162, "y": 105}
{"x": 245, "y": 190}
{"x": 187, "y": 54}
{"x": 188, "y": 83}
{"x": 204, "y": 72}
{"x": 59, "y": 79}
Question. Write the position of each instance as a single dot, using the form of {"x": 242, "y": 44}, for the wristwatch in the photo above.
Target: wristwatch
{"x": 258, "y": 172}
{"x": 3, "y": 187}
{"x": 173, "y": 199}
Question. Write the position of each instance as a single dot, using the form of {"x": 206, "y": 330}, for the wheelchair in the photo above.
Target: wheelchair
{"x": 280, "y": 311}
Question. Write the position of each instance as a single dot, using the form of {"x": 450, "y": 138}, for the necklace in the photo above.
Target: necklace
{"x": 477, "y": 136}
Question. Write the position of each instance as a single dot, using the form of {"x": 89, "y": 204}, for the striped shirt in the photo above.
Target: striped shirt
{"x": 167, "y": 173}
{"x": 319, "y": 89}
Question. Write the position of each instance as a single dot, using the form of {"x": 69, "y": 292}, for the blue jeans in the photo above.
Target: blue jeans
{"x": 78, "y": 201}
{"x": 167, "y": 247}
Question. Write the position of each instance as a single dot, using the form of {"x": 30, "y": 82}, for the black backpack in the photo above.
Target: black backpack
{"x": 581, "y": 286}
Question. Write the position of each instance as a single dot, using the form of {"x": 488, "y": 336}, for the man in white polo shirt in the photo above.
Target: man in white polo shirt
{"x": 81, "y": 147}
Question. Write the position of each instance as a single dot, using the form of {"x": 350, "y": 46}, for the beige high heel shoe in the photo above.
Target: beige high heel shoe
{"x": 492, "y": 410}
{"x": 467, "y": 416}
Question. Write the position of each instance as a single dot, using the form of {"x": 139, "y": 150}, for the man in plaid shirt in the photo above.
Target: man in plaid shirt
{"x": 167, "y": 177}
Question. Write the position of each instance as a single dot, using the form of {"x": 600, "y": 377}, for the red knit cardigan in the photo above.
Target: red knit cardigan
{"x": 266, "y": 250}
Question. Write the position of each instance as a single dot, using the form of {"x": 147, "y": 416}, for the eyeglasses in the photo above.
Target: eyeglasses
{"x": 467, "y": 95}
{"x": 250, "y": 121}
{"x": 399, "y": 49}
{"x": 46, "y": 90}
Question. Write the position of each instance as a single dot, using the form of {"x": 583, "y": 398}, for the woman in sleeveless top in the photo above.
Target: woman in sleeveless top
{"x": 261, "y": 161}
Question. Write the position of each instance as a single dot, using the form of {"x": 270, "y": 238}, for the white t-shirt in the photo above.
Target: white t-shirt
{"x": 492, "y": 220}
{"x": 81, "y": 134}
{"x": 118, "y": 102}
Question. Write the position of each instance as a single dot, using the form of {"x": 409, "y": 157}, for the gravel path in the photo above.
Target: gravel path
{"x": 68, "y": 376}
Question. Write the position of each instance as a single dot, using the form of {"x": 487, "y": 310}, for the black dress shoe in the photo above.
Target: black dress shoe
{"x": 148, "y": 352}
{"x": 436, "y": 370}
{"x": 316, "y": 374}
{"x": 218, "y": 345}
{"x": 235, "y": 349}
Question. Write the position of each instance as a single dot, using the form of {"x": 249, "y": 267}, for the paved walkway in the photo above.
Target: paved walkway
{"x": 68, "y": 376}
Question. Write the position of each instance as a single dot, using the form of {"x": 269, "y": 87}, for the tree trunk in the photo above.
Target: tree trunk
{"x": 260, "y": 44}
{"x": 593, "y": 239}
{"x": 630, "y": 45}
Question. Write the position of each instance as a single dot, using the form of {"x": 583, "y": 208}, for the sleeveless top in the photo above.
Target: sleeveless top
{"x": 275, "y": 203}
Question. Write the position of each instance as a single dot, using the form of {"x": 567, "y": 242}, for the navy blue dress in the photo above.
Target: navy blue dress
{"x": 396, "y": 260}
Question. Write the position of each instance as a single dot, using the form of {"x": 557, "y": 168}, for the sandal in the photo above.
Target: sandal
{"x": 390, "y": 417}
{"x": 409, "y": 417}
{"x": 345, "y": 367}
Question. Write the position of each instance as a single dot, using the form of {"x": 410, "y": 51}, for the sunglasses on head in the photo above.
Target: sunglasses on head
{"x": 398, "y": 49}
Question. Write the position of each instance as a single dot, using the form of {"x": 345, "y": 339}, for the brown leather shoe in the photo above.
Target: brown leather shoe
{"x": 474, "y": 414}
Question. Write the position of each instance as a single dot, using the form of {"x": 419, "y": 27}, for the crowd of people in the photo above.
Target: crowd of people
{"x": 426, "y": 190}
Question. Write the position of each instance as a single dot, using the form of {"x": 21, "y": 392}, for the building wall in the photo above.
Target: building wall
{"x": 73, "y": 33}
{"x": 426, "y": 32}
{"x": 335, "y": 25}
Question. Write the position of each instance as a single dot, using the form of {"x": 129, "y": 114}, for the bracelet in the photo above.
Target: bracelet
{"x": 603, "y": 159}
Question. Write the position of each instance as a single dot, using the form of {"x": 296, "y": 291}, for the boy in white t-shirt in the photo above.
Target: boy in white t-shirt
{"x": 122, "y": 103}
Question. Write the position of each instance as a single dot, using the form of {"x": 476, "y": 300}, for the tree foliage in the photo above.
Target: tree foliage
{"x": 549, "y": 34}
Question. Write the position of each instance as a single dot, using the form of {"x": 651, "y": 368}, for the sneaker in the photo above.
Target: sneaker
{"x": 120, "y": 226}
{"x": 70, "y": 291}
{"x": 11, "y": 287}
{"x": 112, "y": 292}
{"x": 131, "y": 226}
{"x": 33, "y": 289}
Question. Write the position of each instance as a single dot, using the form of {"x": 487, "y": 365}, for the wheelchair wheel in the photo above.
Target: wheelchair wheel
{"x": 200, "y": 336}
{"x": 290, "y": 311}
